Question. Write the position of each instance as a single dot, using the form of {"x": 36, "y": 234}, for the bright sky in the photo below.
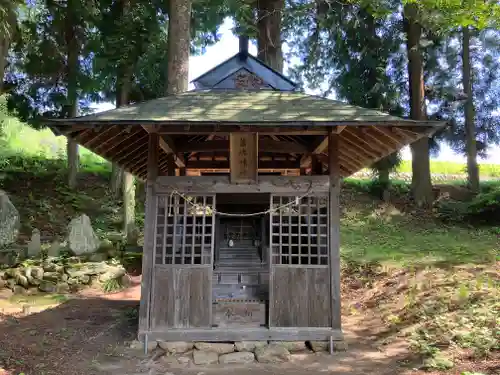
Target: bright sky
{"x": 228, "y": 46}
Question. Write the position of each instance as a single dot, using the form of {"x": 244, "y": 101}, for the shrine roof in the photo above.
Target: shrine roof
{"x": 243, "y": 107}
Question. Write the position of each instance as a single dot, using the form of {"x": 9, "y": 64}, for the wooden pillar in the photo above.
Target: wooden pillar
{"x": 170, "y": 165}
{"x": 334, "y": 212}
{"x": 316, "y": 166}
{"x": 149, "y": 233}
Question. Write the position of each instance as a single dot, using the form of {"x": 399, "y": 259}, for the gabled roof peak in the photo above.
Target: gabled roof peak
{"x": 225, "y": 75}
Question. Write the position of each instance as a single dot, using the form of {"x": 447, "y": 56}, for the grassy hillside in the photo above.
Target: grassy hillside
{"x": 19, "y": 141}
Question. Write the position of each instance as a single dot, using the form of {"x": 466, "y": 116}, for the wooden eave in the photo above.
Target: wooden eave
{"x": 285, "y": 146}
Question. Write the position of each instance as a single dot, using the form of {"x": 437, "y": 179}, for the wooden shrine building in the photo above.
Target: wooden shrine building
{"x": 242, "y": 213}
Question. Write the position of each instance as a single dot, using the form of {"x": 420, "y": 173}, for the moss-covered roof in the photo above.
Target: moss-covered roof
{"x": 264, "y": 106}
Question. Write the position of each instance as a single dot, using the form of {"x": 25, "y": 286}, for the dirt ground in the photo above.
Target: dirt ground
{"x": 90, "y": 335}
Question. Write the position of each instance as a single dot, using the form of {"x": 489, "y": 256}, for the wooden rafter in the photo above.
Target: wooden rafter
{"x": 391, "y": 136}
{"x": 167, "y": 145}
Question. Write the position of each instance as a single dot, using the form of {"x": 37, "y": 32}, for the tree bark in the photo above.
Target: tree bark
{"x": 73, "y": 162}
{"x": 421, "y": 175}
{"x": 124, "y": 83}
{"x": 4, "y": 51}
{"x": 123, "y": 86}
{"x": 178, "y": 43}
{"x": 72, "y": 68}
{"x": 470, "y": 126}
{"x": 129, "y": 226}
{"x": 269, "y": 14}
{"x": 384, "y": 180}
{"x": 116, "y": 179}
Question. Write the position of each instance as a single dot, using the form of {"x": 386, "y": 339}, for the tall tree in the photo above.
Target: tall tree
{"x": 60, "y": 84}
{"x": 73, "y": 48}
{"x": 445, "y": 19}
{"x": 448, "y": 96}
{"x": 179, "y": 38}
{"x": 470, "y": 127}
{"x": 269, "y": 48}
{"x": 354, "y": 53}
{"x": 8, "y": 26}
{"x": 421, "y": 173}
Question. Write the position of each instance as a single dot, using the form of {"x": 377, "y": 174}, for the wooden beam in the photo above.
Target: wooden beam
{"x": 334, "y": 230}
{"x": 348, "y": 165}
{"x": 367, "y": 132}
{"x": 125, "y": 142}
{"x": 362, "y": 139}
{"x": 265, "y": 145}
{"x": 389, "y": 135}
{"x": 360, "y": 149}
{"x": 227, "y": 129}
{"x": 222, "y": 184}
{"x": 137, "y": 147}
{"x": 224, "y": 164}
{"x": 149, "y": 232}
{"x": 117, "y": 132}
{"x": 219, "y": 334}
{"x": 406, "y": 134}
{"x": 318, "y": 148}
{"x": 167, "y": 145}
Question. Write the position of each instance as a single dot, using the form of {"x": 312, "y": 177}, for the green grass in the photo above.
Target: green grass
{"x": 451, "y": 168}
{"x": 23, "y": 148}
{"x": 405, "y": 240}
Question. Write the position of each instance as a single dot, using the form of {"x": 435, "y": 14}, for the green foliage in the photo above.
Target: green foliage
{"x": 484, "y": 207}
{"x": 375, "y": 187}
{"x": 112, "y": 285}
{"x": 438, "y": 361}
{"x": 453, "y": 168}
{"x": 131, "y": 314}
{"x": 44, "y": 87}
{"x": 461, "y": 315}
{"x": 8, "y": 16}
{"x": 454, "y": 13}
{"x": 25, "y": 149}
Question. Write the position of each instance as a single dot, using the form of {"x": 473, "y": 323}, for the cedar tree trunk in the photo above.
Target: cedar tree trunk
{"x": 269, "y": 14}
{"x": 421, "y": 176}
{"x": 72, "y": 68}
{"x": 470, "y": 126}
{"x": 178, "y": 46}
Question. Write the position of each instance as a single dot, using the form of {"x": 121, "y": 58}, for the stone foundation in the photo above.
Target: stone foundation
{"x": 184, "y": 354}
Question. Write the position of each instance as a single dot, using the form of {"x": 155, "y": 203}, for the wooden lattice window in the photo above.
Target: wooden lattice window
{"x": 184, "y": 230}
{"x": 299, "y": 230}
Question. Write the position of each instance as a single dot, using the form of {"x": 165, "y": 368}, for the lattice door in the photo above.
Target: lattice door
{"x": 185, "y": 230}
{"x": 300, "y": 273}
{"x": 182, "y": 280}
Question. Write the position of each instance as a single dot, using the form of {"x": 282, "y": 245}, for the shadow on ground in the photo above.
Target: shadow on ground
{"x": 64, "y": 339}
{"x": 89, "y": 336}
